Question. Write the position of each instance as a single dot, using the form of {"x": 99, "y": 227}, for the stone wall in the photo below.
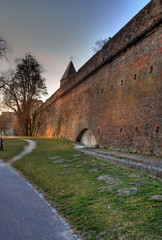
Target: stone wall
{"x": 117, "y": 93}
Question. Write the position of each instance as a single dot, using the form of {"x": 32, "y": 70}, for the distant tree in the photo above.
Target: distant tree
{"x": 21, "y": 88}
{"x": 3, "y": 53}
{"x": 6, "y": 120}
{"x": 3, "y": 48}
{"x": 99, "y": 45}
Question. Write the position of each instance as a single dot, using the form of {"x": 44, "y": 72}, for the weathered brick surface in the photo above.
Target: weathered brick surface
{"x": 117, "y": 93}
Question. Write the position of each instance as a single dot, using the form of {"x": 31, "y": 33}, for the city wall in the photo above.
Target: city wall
{"x": 114, "y": 99}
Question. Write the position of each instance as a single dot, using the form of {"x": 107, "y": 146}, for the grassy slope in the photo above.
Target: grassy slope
{"x": 12, "y": 147}
{"x": 96, "y": 214}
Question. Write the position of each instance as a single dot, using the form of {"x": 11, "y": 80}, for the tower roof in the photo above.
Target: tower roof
{"x": 70, "y": 70}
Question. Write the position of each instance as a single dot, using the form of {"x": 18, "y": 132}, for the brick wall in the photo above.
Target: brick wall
{"x": 117, "y": 93}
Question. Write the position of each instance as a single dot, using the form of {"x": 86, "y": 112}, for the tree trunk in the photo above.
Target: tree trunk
{"x": 30, "y": 127}
{"x": 26, "y": 129}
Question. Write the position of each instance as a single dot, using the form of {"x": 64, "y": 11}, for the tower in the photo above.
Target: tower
{"x": 70, "y": 71}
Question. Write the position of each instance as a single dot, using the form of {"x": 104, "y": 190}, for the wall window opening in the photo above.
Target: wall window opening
{"x": 157, "y": 129}
{"x": 136, "y": 129}
{"x": 135, "y": 76}
{"x": 151, "y": 69}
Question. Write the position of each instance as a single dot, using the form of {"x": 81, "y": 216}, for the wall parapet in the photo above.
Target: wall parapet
{"x": 143, "y": 23}
{"x": 136, "y": 29}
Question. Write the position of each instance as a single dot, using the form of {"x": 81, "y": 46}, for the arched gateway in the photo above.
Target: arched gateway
{"x": 86, "y": 137}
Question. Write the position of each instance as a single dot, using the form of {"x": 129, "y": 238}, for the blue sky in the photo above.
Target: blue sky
{"x": 55, "y": 30}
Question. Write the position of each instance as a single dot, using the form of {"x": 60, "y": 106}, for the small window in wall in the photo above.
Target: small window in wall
{"x": 111, "y": 87}
{"x": 121, "y": 130}
{"x": 135, "y": 76}
{"x": 157, "y": 129}
{"x": 109, "y": 130}
{"x": 98, "y": 130}
{"x": 121, "y": 83}
{"x": 102, "y": 90}
{"x": 136, "y": 129}
{"x": 151, "y": 69}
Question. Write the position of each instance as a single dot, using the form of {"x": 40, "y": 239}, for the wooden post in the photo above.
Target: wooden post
{"x": 1, "y": 144}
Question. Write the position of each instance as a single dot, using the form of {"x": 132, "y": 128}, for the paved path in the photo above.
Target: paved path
{"x": 24, "y": 214}
{"x": 27, "y": 149}
{"x": 137, "y": 157}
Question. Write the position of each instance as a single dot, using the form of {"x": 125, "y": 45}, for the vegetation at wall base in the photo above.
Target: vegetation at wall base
{"x": 98, "y": 212}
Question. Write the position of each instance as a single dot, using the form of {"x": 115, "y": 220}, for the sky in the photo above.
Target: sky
{"x": 55, "y": 30}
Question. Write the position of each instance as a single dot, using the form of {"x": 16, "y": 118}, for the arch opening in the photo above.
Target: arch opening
{"x": 86, "y": 138}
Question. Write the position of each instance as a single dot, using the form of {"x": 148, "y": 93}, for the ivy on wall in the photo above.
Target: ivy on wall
{"x": 59, "y": 122}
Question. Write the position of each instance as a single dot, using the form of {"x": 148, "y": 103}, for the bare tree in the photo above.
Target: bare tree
{"x": 21, "y": 88}
{"x": 3, "y": 48}
{"x": 99, "y": 44}
{"x": 3, "y": 53}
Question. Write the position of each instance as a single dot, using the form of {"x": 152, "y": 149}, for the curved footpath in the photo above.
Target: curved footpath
{"x": 27, "y": 149}
{"x": 24, "y": 214}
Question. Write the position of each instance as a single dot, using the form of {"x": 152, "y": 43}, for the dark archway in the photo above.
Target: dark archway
{"x": 86, "y": 137}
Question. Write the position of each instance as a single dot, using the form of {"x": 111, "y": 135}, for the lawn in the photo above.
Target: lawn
{"x": 97, "y": 208}
{"x": 12, "y": 147}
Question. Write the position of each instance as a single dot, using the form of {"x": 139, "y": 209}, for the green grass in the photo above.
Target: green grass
{"x": 96, "y": 214}
{"x": 12, "y": 147}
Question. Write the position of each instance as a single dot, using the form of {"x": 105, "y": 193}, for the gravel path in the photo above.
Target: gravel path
{"x": 150, "y": 165}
